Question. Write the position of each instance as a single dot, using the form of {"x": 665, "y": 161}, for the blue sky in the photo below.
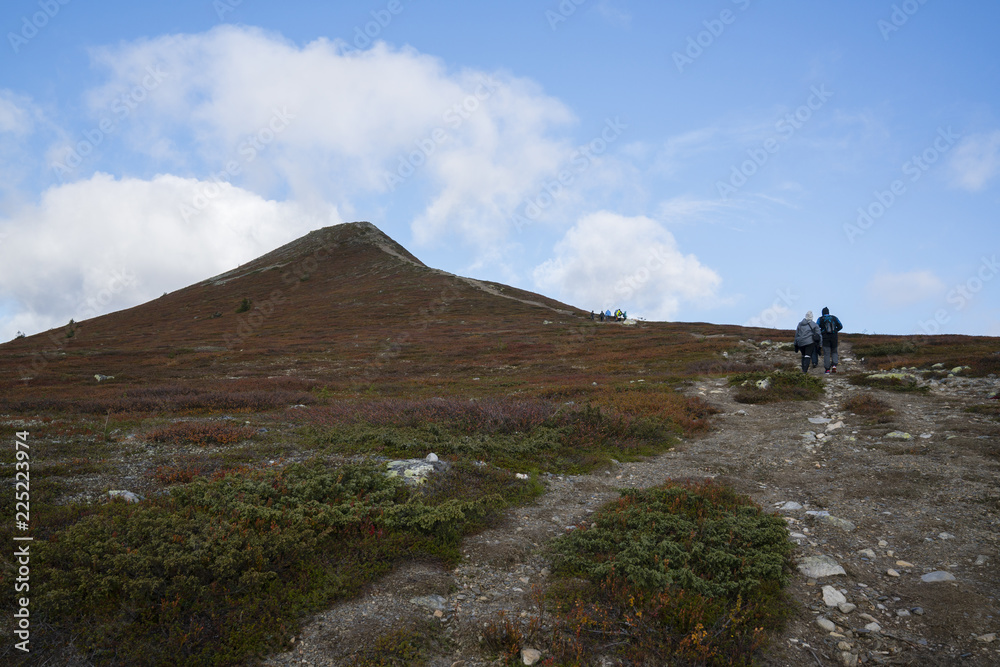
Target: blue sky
{"x": 734, "y": 161}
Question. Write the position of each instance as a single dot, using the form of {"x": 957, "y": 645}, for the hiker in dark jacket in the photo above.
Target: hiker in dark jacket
{"x": 829, "y": 325}
{"x": 807, "y": 339}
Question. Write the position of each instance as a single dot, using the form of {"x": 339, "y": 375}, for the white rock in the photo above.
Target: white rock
{"x": 530, "y": 656}
{"x": 127, "y": 496}
{"x": 846, "y": 607}
{"x": 790, "y": 506}
{"x": 892, "y": 573}
{"x": 834, "y": 426}
{"x": 939, "y": 575}
{"x": 987, "y": 639}
{"x": 817, "y": 567}
{"x": 521, "y": 475}
{"x": 873, "y": 627}
{"x": 837, "y": 522}
{"x": 946, "y": 536}
{"x": 431, "y": 458}
{"x": 826, "y": 624}
{"x": 848, "y": 659}
{"x": 867, "y": 553}
{"x": 832, "y": 597}
{"x": 981, "y": 560}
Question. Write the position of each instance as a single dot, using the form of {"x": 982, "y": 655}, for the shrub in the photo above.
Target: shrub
{"x": 245, "y": 305}
{"x": 220, "y": 572}
{"x": 988, "y": 409}
{"x": 868, "y": 405}
{"x": 900, "y": 382}
{"x": 784, "y": 386}
{"x": 201, "y": 433}
{"x": 532, "y": 437}
{"x": 889, "y": 348}
{"x": 679, "y": 574}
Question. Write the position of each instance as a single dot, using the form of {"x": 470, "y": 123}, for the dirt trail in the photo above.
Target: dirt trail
{"x": 924, "y": 504}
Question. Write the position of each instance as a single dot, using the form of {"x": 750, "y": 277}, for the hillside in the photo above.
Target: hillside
{"x": 268, "y": 532}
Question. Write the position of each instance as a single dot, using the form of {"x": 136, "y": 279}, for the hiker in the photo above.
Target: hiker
{"x": 591, "y": 316}
{"x": 829, "y": 325}
{"x": 807, "y": 339}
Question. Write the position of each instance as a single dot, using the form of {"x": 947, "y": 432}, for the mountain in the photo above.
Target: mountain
{"x": 341, "y": 299}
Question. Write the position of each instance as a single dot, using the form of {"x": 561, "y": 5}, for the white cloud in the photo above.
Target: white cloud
{"x": 976, "y": 161}
{"x": 609, "y": 261}
{"x": 903, "y": 289}
{"x": 99, "y": 245}
{"x": 359, "y": 123}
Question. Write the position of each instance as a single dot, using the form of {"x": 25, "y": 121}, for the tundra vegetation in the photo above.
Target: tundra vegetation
{"x": 257, "y": 440}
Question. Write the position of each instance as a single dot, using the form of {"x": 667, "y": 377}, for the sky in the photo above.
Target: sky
{"x": 729, "y": 161}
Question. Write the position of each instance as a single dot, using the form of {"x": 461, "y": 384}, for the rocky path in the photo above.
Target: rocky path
{"x": 906, "y": 514}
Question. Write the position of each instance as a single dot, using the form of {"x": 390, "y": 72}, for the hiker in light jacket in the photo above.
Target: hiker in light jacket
{"x": 829, "y": 325}
{"x": 807, "y": 340}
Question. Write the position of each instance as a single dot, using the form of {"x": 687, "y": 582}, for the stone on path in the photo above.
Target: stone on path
{"x": 790, "y": 506}
{"x": 892, "y": 573}
{"x": 826, "y": 624}
{"x": 939, "y": 575}
{"x": 837, "y": 522}
{"x": 832, "y": 597}
{"x": 435, "y": 602}
{"x": 899, "y": 435}
{"x": 817, "y": 567}
{"x": 846, "y": 607}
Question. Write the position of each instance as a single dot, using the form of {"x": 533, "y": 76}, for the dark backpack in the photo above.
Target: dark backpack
{"x": 828, "y": 324}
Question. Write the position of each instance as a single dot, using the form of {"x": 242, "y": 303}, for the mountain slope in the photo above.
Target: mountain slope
{"x": 345, "y": 294}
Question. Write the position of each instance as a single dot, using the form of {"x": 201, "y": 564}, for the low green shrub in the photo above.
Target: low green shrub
{"x": 219, "y": 572}
{"x": 783, "y": 386}
{"x": 679, "y": 574}
{"x": 572, "y": 441}
{"x": 901, "y": 382}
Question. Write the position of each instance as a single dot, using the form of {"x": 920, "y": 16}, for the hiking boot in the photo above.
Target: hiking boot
{"x": 827, "y": 371}
{"x": 833, "y": 369}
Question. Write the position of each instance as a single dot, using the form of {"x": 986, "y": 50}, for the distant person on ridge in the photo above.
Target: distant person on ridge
{"x": 807, "y": 338}
{"x": 829, "y": 325}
